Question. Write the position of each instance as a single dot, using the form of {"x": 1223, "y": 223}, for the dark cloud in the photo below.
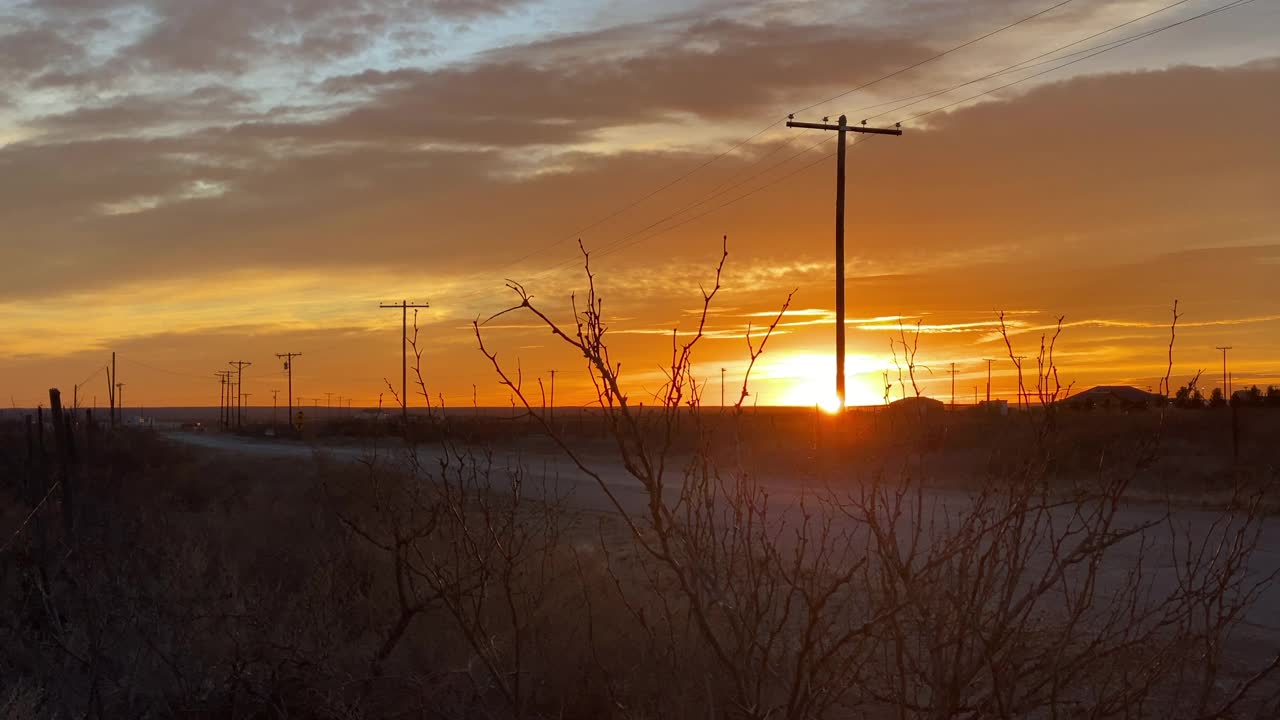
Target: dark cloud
{"x": 204, "y": 106}
{"x": 716, "y": 70}
{"x": 30, "y": 50}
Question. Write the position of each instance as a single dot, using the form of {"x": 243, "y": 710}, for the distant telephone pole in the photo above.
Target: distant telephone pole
{"x": 239, "y": 365}
{"x": 288, "y": 367}
{"x": 841, "y": 130}
{"x": 1017, "y": 361}
{"x": 404, "y": 352}
{"x": 223, "y": 379}
{"x": 111, "y": 389}
{"x": 1226, "y": 389}
{"x": 553, "y": 395}
{"x": 953, "y": 384}
{"x": 988, "y": 361}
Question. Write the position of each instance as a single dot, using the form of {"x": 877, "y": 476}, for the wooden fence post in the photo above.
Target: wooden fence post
{"x": 28, "y": 480}
{"x": 66, "y": 452}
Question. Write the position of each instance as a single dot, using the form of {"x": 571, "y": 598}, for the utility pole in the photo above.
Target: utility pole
{"x": 1021, "y": 390}
{"x": 841, "y": 130}
{"x": 328, "y": 404}
{"x": 240, "y": 365}
{"x": 953, "y": 385}
{"x": 988, "y": 361}
{"x": 111, "y": 388}
{"x": 275, "y": 393}
{"x": 1225, "y": 390}
{"x": 288, "y": 366}
{"x": 553, "y": 396}
{"x": 404, "y": 352}
{"x": 224, "y": 377}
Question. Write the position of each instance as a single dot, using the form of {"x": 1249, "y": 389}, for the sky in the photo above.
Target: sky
{"x": 191, "y": 182}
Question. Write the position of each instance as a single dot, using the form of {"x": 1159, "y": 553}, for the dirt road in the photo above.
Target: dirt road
{"x": 1258, "y": 636}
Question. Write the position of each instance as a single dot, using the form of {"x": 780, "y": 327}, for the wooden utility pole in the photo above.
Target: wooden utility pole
{"x": 288, "y": 367}
{"x": 1017, "y": 362}
{"x": 553, "y": 395}
{"x": 988, "y": 361}
{"x": 111, "y": 388}
{"x": 953, "y": 385}
{"x": 1226, "y": 390}
{"x": 841, "y": 130}
{"x": 404, "y": 352}
{"x": 224, "y": 378}
{"x": 239, "y": 365}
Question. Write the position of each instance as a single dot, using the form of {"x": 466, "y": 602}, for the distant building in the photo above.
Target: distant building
{"x": 995, "y": 407}
{"x": 919, "y": 407}
{"x": 1113, "y": 397}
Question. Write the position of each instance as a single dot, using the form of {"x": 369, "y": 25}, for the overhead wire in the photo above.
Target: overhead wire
{"x": 940, "y": 55}
{"x": 1031, "y": 62}
{"x": 771, "y": 124}
{"x": 1092, "y": 52}
{"x": 1114, "y": 46}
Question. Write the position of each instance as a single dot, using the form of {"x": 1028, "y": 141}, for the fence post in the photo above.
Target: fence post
{"x": 28, "y": 480}
{"x": 65, "y": 449}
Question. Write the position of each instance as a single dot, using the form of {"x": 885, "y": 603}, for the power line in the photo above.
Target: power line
{"x": 771, "y": 124}
{"x": 739, "y": 198}
{"x": 605, "y": 250}
{"x": 961, "y": 46}
{"x": 1135, "y": 38}
{"x": 1098, "y": 50}
{"x": 153, "y": 368}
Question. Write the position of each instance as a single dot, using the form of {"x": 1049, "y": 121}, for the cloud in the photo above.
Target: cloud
{"x": 156, "y": 161}
{"x": 713, "y": 71}
{"x": 30, "y": 49}
{"x": 226, "y": 36}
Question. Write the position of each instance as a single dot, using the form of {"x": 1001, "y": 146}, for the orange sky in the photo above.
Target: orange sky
{"x": 192, "y": 183}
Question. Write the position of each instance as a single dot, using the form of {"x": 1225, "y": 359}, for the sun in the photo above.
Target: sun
{"x": 829, "y": 404}
{"x": 808, "y": 379}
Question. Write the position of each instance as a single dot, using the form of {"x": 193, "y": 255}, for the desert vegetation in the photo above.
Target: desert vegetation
{"x": 789, "y": 565}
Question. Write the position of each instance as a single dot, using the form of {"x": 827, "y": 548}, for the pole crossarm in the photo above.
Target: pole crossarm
{"x": 404, "y": 306}
{"x": 847, "y": 128}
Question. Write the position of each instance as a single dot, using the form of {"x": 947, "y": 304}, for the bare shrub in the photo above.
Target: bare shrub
{"x": 1016, "y": 599}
